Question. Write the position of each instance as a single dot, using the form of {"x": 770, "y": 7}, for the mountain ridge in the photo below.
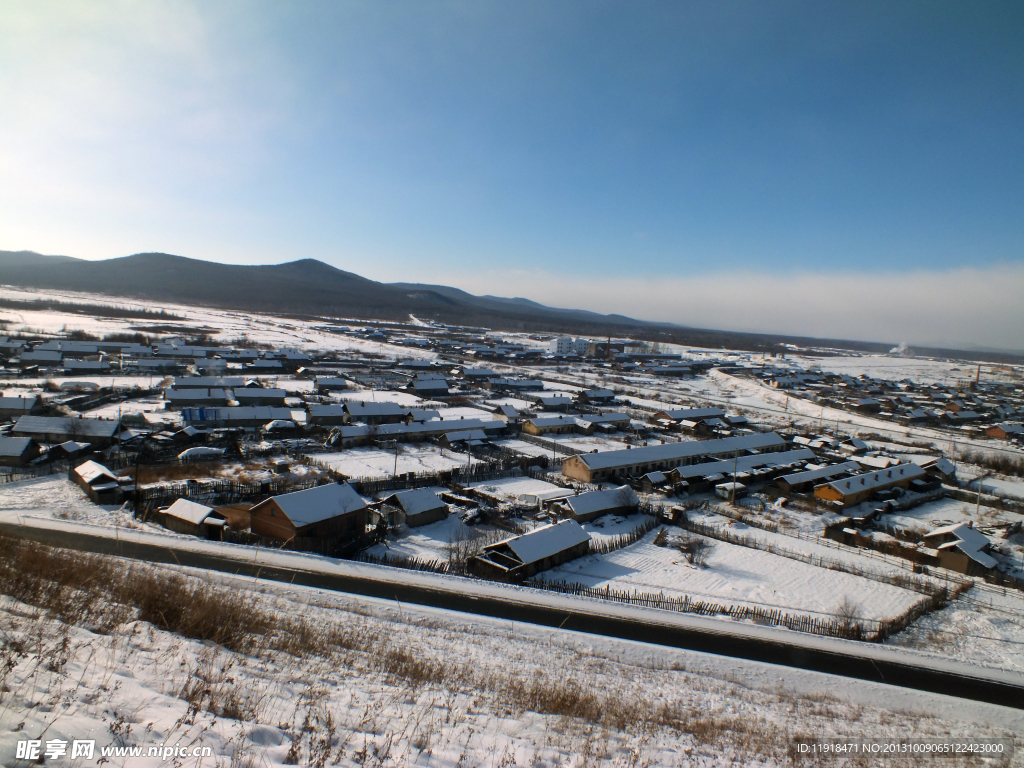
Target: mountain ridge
{"x": 311, "y": 288}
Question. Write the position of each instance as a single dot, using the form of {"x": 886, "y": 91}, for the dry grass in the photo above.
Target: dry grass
{"x": 247, "y": 631}
{"x": 94, "y": 591}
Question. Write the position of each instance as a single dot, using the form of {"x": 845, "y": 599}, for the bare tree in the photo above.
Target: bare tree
{"x": 696, "y": 550}
{"x": 848, "y": 613}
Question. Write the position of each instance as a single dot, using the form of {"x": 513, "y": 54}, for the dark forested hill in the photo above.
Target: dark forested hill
{"x": 311, "y": 288}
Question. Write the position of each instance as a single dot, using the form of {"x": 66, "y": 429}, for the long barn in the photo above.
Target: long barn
{"x": 608, "y": 465}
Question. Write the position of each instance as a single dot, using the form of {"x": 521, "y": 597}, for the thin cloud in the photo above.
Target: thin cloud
{"x": 959, "y": 307}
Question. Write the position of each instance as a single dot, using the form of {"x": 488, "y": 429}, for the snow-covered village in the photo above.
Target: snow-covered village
{"x": 357, "y": 525}
{"x": 476, "y": 384}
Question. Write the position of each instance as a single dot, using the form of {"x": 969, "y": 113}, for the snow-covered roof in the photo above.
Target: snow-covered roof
{"x": 279, "y": 424}
{"x": 197, "y": 393}
{"x": 46, "y": 425}
{"x": 968, "y": 540}
{"x": 200, "y": 450}
{"x": 417, "y": 501}
{"x": 943, "y": 465}
{"x": 92, "y": 471}
{"x": 822, "y": 473}
{"x": 469, "y": 434}
{"x": 71, "y": 446}
{"x": 595, "y": 501}
{"x": 881, "y": 479}
{"x": 18, "y": 403}
{"x": 14, "y": 446}
{"x": 183, "y": 509}
{"x": 546, "y": 541}
{"x": 320, "y": 503}
{"x": 683, "y": 450}
{"x": 694, "y": 413}
{"x": 369, "y": 410}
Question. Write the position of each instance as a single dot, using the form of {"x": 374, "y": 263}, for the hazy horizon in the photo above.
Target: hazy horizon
{"x": 833, "y": 171}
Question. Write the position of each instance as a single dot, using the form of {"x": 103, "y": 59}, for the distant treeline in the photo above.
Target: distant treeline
{"x": 100, "y": 310}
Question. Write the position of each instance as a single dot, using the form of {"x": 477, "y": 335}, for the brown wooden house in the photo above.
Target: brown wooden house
{"x": 330, "y": 513}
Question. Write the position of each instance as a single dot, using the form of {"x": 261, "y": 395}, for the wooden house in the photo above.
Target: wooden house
{"x": 101, "y": 485}
{"x": 854, "y": 490}
{"x": 333, "y": 512}
{"x": 186, "y": 516}
{"x": 523, "y": 556}
{"x": 17, "y": 451}
{"x": 418, "y": 507}
{"x": 586, "y": 507}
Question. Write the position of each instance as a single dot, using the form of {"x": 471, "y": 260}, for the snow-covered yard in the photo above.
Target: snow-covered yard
{"x": 735, "y": 575}
{"x": 56, "y": 497}
{"x": 358, "y": 692}
{"x": 374, "y": 462}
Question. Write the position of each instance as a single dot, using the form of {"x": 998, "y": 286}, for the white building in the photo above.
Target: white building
{"x": 566, "y": 345}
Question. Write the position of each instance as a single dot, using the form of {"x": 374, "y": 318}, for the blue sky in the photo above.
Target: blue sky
{"x": 614, "y": 156}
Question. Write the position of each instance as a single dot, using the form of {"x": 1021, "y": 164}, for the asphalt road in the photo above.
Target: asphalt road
{"x": 788, "y": 652}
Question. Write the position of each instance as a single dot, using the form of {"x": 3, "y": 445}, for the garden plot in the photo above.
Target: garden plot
{"x": 512, "y": 487}
{"x": 863, "y": 559}
{"x": 250, "y": 472}
{"x": 523, "y": 447}
{"x": 984, "y": 626}
{"x": 934, "y": 514}
{"x": 1000, "y": 486}
{"x": 412, "y": 457}
{"x": 735, "y": 575}
{"x": 587, "y": 443}
{"x": 57, "y": 497}
{"x": 433, "y": 542}
{"x": 610, "y": 527}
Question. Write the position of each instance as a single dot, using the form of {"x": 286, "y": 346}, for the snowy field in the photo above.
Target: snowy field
{"x": 430, "y": 542}
{"x": 374, "y": 462}
{"x": 56, "y": 497}
{"x": 934, "y": 514}
{"x": 735, "y": 575}
{"x": 227, "y": 327}
{"x": 1000, "y": 486}
{"x": 512, "y": 487}
{"x": 359, "y": 686}
{"x": 589, "y": 443}
{"x": 525, "y": 448}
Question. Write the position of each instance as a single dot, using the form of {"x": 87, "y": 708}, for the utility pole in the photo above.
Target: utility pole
{"x": 735, "y": 464}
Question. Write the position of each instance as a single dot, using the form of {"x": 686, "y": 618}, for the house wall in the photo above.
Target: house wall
{"x": 427, "y": 517}
{"x": 32, "y": 452}
{"x": 573, "y": 467}
{"x": 347, "y": 526}
{"x": 591, "y": 516}
{"x": 267, "y": 519}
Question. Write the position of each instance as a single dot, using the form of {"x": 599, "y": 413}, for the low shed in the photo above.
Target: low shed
{"x": 98, "y": 482}
{"x": 523, "y": 556}
{"x": 186, "y": 516}
{"x": 594, "y": 504}
{"x": 419, "y": 506}
{"x": 17, "y": 451}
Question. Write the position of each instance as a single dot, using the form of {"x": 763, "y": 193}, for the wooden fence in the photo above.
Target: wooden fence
{"x": 16, "y": 474}
{"x": 226, "y": 491}
{"x": 831, "y": 627}
{"x": 905, "y": 581}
